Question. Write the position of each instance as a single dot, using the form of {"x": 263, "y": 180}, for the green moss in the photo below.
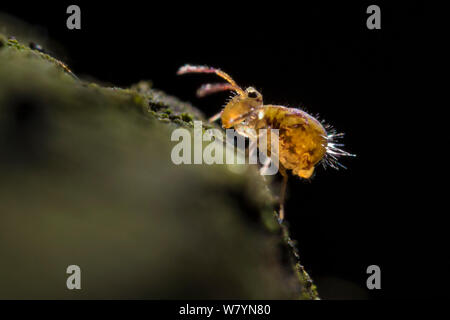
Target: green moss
{"x": 13, "y": 43}
{"x": 309, "y": 290}
{"x": 187, "y": 117}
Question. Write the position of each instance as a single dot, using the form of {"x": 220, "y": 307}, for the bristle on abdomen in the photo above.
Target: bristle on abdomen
{"x": 333, "y": 152}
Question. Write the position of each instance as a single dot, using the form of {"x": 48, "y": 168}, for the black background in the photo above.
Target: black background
{"x": 321, "y": 57}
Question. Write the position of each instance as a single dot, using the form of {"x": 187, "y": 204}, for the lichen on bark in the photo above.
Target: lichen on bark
{"x": 87, "y": 179}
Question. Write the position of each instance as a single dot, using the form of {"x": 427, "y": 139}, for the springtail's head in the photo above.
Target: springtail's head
{"x": 239, "y": 107}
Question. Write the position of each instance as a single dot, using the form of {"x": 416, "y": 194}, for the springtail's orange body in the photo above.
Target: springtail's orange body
{"x": 303, "y": 140}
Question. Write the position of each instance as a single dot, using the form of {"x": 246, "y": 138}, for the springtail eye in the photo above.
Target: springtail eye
{"x": 252, "y": 94}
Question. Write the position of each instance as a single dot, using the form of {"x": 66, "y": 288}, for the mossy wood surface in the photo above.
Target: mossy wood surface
{"x": 86, "y": 178}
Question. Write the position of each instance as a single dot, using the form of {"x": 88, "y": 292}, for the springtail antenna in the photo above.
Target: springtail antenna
{"x": 212, "y": 88}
